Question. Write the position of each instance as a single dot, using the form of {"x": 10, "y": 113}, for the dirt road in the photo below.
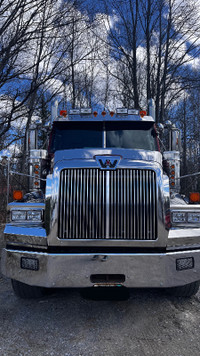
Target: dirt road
{"x": 67, "y": 324}
{"x": 73, "y": 323}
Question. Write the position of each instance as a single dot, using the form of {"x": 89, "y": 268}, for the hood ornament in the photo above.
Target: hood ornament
{"x": 108, "y": 162}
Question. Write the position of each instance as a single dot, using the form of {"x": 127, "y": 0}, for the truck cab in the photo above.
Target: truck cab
{"x": 109, "y": 215}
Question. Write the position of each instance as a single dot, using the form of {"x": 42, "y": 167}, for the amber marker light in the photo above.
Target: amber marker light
{"x": 194, "y": 197}
{"x": 17, "y": 195}
{"x": 112, "y": 113}
{"x": 103, "y": 113}
{"x": 143, "y": 113}
{"x": 63, "y": 113}
{"x": 95, "y": 113}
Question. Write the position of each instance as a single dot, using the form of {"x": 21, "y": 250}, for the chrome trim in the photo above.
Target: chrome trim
{"x": 116, "y": 117}
{"x": 104, "y": 139}
{"x": 85, "y": 159}
{"x": 115, "y": 208}
{"x": 30, "y": 230}
{"x": 26, "y": 235}
{"x": 107, "y": 236}
{"x": 74, "y": 270}
{"x": 183, "y": 237}
{"x": 30, "y": 205}
{"x": 78, "y": 156}
{"x": 193, "y": 208}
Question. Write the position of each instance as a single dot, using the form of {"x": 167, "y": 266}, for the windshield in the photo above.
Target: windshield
{"x": 76, "y": 135}
{"x": 123, "y": 134}
{"x": 137, "y": 135}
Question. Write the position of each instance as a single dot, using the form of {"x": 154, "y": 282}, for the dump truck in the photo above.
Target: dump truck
{"x": 104, "y": 209}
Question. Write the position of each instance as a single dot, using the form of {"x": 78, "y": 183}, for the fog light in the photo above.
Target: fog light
{"x": 30, "y": 263}
{"x": 184, "y": 263}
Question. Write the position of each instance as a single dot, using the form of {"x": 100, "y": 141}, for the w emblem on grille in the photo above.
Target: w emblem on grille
{"x": 108, "y": 162}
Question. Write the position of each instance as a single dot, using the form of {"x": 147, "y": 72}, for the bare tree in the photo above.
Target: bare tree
{"x": 156, "y": 41}
{"x": 34, "y": 48}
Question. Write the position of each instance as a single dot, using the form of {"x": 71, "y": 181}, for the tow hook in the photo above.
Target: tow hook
{"x": 104, "y": 259}
{"x": 96, "y": 257}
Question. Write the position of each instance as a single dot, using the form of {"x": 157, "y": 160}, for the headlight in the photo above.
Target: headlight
{"x": 178, "y": 217}
{"x": 26, "y": 215}
{"x": 18, "y": 215}
{"x": 186, "y": 217}
{"x": 34, "y": 215}
{"x": 194, "y": 217}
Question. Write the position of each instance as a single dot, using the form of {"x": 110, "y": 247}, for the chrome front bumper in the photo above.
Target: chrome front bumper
{"x": 75, "y": 270}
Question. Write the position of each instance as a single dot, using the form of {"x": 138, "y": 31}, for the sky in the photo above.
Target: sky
{"x": 97, "y": 73}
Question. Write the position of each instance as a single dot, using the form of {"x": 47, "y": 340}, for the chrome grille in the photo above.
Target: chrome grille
{"x": 98, "y": 204}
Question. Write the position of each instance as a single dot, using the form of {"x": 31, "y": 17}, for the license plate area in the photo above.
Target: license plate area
{"x": 107, "y": 279}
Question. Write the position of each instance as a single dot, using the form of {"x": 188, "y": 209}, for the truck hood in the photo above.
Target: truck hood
{"x": 125, "y": 154}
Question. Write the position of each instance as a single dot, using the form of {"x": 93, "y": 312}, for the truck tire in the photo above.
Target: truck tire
{"x": 25, "y": 291}
{"x": 184, "y": 291}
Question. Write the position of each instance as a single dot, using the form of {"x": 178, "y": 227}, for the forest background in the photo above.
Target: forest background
{"x": 105, "y": 55}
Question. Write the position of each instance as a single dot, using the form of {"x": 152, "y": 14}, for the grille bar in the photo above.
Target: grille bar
{"x": 98, "y": 204}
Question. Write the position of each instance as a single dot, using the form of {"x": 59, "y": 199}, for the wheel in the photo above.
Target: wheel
{"x": 25, "y": 291}
{"x": 184, "y": 291}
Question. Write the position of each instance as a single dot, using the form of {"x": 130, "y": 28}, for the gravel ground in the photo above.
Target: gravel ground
{"x": 72, "y": 323}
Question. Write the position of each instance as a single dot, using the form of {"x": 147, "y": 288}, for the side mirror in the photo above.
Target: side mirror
{"x": 168, "y": 124}
{"x": 160, "y": 128}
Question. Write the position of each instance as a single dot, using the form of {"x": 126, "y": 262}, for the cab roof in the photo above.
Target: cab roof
{"x": 101, "y": 118}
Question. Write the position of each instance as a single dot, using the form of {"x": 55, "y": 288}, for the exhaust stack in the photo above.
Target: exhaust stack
{"x": 151, "y": 109}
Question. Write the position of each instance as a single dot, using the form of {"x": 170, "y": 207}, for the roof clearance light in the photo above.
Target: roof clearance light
{"x": 133, "y": 112}
{"x": 143, "y": 113}
{"x": 63, "y": 113}
{"x": 95, "y": 113}
{"x": 86, "y": 111}
{"x": 122, "y": 111}
{"x": 112, "y": 113}
{"x": 74, "y": 111}
{"x": 103, "y": 113}
{"x": 17, "y": 195}
{"x": 194, "y": 197}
